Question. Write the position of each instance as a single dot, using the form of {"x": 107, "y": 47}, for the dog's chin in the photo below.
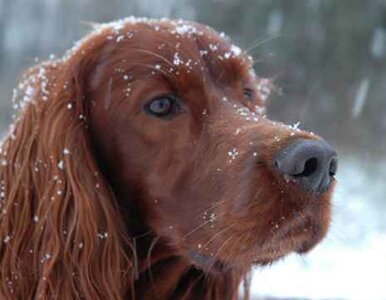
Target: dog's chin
{"x": 296, "y": 237}
{"x": 253, "y": 256}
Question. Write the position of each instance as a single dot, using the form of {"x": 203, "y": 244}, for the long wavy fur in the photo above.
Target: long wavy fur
{"x": 60, "y": 230}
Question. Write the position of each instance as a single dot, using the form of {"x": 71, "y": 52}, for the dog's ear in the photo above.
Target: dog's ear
{"x": 60, "y": 229}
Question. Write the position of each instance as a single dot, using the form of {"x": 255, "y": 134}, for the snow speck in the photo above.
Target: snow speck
{"x": 360, "y": 97}
{"x": 120, "y": 38}
{"x": 102, "y": 235}
{"x": 378, "y": 43}
{"x": 185, "y": 29}
{"x": 46, "y": 257}
{"x": 176, "y": 59}
{"x": 233, "y": 153}
{"x": 294, "y": 126}
{"x": 61, "y": 165}
{"x": 235, "y": 50}
{"x": 264, "y": 88}
{"x": 275, "y": 22}
{"x": 213, "y": 47}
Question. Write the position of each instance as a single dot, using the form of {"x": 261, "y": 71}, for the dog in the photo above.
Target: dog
{"x": 141, "y": 165}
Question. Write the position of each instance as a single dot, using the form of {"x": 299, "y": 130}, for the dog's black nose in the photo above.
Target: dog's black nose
{"x": 310, "y": 163}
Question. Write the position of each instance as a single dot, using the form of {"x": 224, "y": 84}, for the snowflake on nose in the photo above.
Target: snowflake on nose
{"x": 233, "y": 153}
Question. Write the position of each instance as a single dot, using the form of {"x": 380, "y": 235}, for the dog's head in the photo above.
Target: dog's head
{"x": 160, "y": 127}
{"x": 178, "y": 116}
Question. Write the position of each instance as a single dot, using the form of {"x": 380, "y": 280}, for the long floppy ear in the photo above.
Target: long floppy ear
{"x": 60, "y": 230}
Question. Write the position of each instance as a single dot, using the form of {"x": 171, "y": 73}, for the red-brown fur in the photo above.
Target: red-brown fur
{"x": 100, "y": 200}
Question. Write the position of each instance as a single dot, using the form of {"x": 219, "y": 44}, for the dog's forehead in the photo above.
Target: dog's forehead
{"x": 175, "y": 38}
{"x": 185, "y": 55}
{"x": 184, "y": 46}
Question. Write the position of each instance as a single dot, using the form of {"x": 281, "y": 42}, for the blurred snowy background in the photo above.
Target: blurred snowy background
{"x": 328, "y": 57}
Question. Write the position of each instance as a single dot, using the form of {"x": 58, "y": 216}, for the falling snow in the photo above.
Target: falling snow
{"x": 360, "y": 97}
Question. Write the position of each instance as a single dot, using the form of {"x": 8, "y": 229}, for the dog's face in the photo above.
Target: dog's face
{"x": 178, "y": 114}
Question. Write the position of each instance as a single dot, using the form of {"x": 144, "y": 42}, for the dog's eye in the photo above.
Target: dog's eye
{"x": 248, "y": 94}
{"x": 164, "y": 106}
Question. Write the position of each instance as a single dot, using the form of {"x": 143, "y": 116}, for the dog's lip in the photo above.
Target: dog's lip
{"x": 303, "y": 236}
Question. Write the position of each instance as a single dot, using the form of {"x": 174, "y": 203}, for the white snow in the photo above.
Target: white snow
{"x": 236, "y": 50}
{"x": 360, "y": 98}
{"x": 183, "y": 28}
{"x": 378, "y": 43}
{"x": 103, "y": 235}
{"x": 61, "y": 165}
{"x": 264, "y": 88}
{"x": 233, "y": 153}
{"x": 46, "y": 257}
{"x": 176, "y": 59}
{"x": 275, "y": 22}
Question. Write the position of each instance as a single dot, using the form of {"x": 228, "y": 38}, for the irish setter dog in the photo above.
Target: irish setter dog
{"x": 141, "y": 165}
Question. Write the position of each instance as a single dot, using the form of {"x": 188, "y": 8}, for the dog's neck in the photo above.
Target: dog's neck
{"x": 158, "y": 275}
{"x": 159, "y": 272}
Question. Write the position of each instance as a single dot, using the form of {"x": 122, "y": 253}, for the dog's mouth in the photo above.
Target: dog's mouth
{"x": 295, "y": 238}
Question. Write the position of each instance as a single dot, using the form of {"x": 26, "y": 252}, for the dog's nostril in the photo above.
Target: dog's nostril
{"x": 310, "y": 167}
{"x": 310, "y": 163}
{"x": 333, "y": 166}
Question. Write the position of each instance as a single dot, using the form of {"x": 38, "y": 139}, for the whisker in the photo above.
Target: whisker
{"x": 167, "y": 75}
{"x": 218, "y": 252}
{"x": 199, "y": 226}
{"x": 135, "y": 260}
{"x": 148, "y": 261}
{"x": 91, "y": 25}
{"x": 257, "y": 43}
{"x": 216, "y": 235}
{"x": 164, "y": 59}
{"x": 213, "y": 206}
